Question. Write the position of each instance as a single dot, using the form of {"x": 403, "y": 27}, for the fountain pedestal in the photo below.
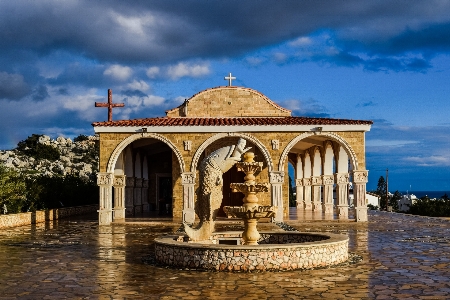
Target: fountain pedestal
{"x": 251, "y": 211}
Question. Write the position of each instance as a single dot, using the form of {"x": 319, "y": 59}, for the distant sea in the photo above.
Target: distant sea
{"x": 430, "y": 194}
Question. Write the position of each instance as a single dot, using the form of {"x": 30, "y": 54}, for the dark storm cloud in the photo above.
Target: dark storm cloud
{"x": 12, "y": 86}
{"x": 165, "y": 31}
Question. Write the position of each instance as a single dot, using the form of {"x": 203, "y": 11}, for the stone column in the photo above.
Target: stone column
{"x": 316, "y": 182}
{"x": 144, "y": 196}
{"x": 129, "y": 195}
{"x": 341, "y": 180}
{"x": 188, "y": 182}
{"x": 105, "y": 183}
{"x": 276, "y": 181}
{"x": 137, "y": 201}
{"x": 359, "y": 194}
{"x": 119, "y": 197}
{"x": 328, "y": 204}
{"x": 299, "y": 194}
{"x": 307, "y": 204}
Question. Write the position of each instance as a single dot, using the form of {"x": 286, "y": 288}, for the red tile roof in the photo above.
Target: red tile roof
{"x": 237, "y": 121}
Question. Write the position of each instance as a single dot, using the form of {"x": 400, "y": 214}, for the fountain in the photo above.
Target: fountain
{"x": 251, "y": 211}
{"x": 203, "y": 248}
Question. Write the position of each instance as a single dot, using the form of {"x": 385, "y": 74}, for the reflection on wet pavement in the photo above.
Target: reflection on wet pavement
{"x": 404, "y": 257}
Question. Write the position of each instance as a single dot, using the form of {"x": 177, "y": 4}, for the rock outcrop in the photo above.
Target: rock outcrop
{"x": 79, "y": 158}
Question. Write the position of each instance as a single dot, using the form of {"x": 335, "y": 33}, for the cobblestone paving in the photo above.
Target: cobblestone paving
{"x": 404, "y": 257}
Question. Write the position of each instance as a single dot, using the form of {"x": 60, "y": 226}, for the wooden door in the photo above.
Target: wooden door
{"x": 229, "y": 198}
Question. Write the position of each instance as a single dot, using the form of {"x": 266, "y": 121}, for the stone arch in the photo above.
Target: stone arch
{"x": 332, "y": 136}
{"x": 123, "y": 144}
{"x": 219, "y": 136}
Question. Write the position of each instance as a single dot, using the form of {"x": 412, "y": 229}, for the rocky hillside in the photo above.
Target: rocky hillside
{"x": 39, "y": 154}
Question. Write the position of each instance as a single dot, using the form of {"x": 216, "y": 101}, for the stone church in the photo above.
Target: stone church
{"x": 152, "y": 164}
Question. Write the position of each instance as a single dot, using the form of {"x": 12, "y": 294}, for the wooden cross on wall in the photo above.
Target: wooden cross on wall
{"x": 109, "y": 105}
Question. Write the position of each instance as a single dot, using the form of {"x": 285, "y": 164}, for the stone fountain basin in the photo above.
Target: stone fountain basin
{"x": 276, "y": 251}
{"x": 257, "y": 212}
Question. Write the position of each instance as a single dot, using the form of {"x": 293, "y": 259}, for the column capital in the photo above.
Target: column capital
{"x": 139, "y": 182}
{"x": 360, "y": 176}
{"x": 130, "y": 181}
{"x": 188, "y": 178}
{"x": 104, "y": 178}
{"x": 341, "y": 178}
{"x": 119, "y": 180}
{"x": 327, "y": 179}
{"x": 299, "y": 182}
{"x": 307, "y": 181}
{"x": 276, "y": 177}
{"x": 145, "y": 183}
{"x": 316, "y": 180}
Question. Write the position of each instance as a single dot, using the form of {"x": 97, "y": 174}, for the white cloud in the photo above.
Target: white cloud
{"x": 118, "y": 72}
{"x": 188, "y": 70}
{"x": 389, "y": 143}
{"x": 151, "y": 100}
{"x": 301, "y": 41}
{"x": 135, "y": 24}
{"x": 429, "y": 161}
{"x": 152, "y": 72}
{"x": 138, "y": 85}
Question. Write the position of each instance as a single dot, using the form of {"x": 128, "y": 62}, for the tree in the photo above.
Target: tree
{"x": 12, "y": 190}
{"x": 381, "y": 191}
{"x": 393, "y": 201}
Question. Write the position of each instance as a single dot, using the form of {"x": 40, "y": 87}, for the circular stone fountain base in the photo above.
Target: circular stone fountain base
{"x": 276, "y": 251}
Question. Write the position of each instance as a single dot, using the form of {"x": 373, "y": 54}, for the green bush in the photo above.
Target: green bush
{"x": 433, "y": 208}
{"x": 12, "y": 191}
{"x": 81, "y": 138}
{"x": 33, "y": 148}
{"x": 47, "y": 192}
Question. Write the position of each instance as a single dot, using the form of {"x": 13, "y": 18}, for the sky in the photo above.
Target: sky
{"x": 386, "y": 61}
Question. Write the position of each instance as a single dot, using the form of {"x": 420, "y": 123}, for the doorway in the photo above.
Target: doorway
{"x": 165, "y": 195}
{"x": 229, "y": 198}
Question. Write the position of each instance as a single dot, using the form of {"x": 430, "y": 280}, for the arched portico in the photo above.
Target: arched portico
{"x": 189, "y": 178}
{"x": 325, "y": 160}
{"x": 132, "y": 188}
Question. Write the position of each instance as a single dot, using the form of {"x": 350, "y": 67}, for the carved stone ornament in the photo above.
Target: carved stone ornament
{"x": 187, "y": 145}
{"x": 210, "y": 190}
{"x": 299, "y": 182}
{"x": 104, "y": 179}
{"x": 275, "y": 144}
{"x": 188, "y": 178}
{"x": 327, "y": 179}
{"x": 341, "y": 178}
{"x": 360, "y": 176}
{"x": 307, "y": 181}
{"x": 316, "y": 180}
{"x": 276, "y": 177}
{"x": 119, "y": 180}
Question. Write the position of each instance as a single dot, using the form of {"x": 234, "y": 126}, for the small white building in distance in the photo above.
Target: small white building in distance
{"x": 372, "y": 198}
{"x": 406, "y": 201}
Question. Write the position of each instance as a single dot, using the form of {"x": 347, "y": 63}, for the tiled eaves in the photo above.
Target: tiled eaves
{"x": 236, "y": 121}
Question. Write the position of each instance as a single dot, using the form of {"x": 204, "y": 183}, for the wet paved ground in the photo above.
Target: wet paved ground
{"x": 404, "y": 257}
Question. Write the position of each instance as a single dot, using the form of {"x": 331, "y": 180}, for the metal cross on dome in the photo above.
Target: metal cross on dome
{"x": 109, "y": 105}
{"x": 229, "y": 78}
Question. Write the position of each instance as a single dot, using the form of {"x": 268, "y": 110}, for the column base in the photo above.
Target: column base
{"x": 317, "y": 206}
{"x": 188, "y": 216}
{"x": 361, "y": 214}
{"x": 328, "y": 208}
{"x": 307, "y": 206}
{"x": 342, "y": 212}
{"x": 104, "y": 216}
{"x": 119, "y": 213}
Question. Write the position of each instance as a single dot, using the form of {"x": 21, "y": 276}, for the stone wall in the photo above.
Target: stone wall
{"x": 13, "y": 220}
{"x": 295, "y": 251}
{"x": 229, "y": 102}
